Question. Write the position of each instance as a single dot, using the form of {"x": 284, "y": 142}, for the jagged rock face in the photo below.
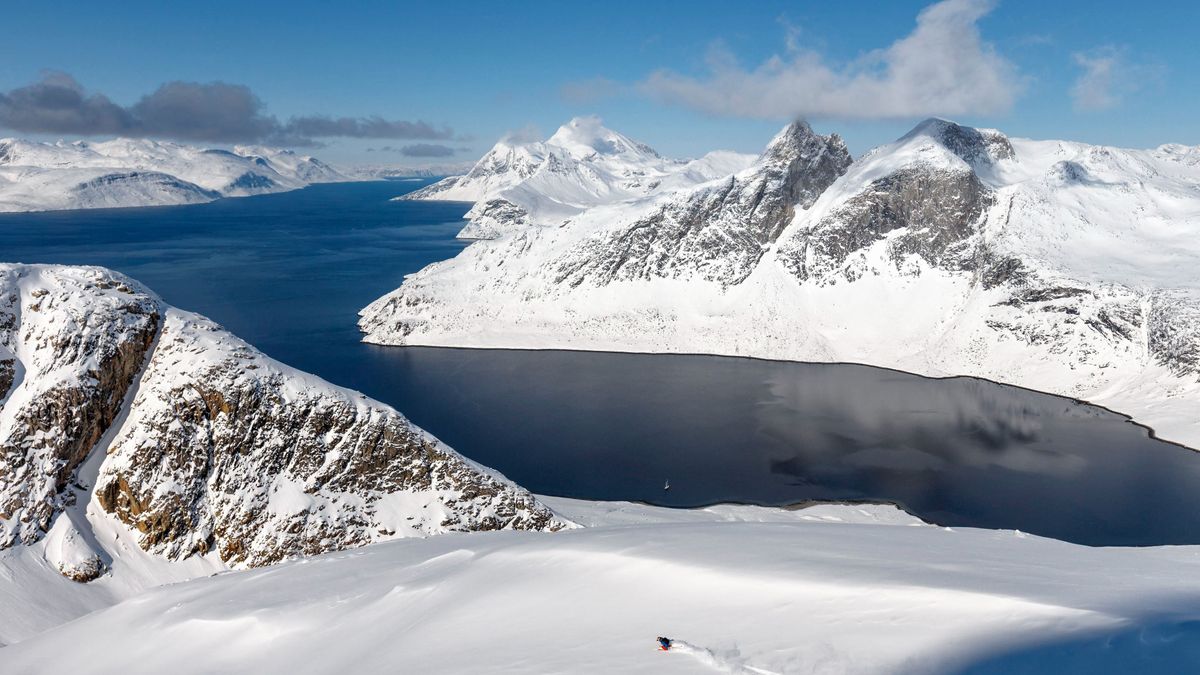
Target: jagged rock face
{"x": 493, "y": 218}
{"x": 78, "y": 337}
{"x": 218, "y": 447}
{"x": 9, "y": 311}
{"x": 225, "y": 450}
{"x": 1173, "y": 333}
{"x": 922, "y": 211}
{"x": 718, "y": 232}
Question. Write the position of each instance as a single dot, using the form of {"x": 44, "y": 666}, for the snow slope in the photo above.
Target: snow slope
{"x": 140, "y": 172}
{"x": 842, "y": 589}
{"x": 583, "y": 164}
{"x": 1058, "y": 266}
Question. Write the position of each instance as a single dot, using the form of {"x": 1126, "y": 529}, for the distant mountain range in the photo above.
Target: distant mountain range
{"x": 390, "y": 172}
{"x": 37, "y": 176}
{"x": 583, "y": 164}
{"x": 1060, "y": 266}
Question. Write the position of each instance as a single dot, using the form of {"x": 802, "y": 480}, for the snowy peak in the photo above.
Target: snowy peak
{"x": 802, "y": 163}
{"x": 519, "y": 184}
{"x": 794, "y": 139}
{"x": 509, "y": 158}
{"x": 974, "y": 146}
{"x": 585, "y": 136}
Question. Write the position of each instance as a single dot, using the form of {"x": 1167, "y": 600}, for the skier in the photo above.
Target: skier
{"x": 664, "y": 643}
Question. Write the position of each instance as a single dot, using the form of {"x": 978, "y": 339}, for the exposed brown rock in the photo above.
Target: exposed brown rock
{"x": 87, "y": 340}
{"x": 264, "y": 463}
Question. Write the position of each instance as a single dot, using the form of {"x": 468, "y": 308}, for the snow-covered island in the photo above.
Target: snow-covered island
{"x": 37, "y": 176}
{"x": 1054, "y": 265}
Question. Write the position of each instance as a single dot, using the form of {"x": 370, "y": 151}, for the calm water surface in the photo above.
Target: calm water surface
{"x": 289, "y": 273}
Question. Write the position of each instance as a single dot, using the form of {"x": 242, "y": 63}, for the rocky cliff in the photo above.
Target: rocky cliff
{"x": 209, "y": 447}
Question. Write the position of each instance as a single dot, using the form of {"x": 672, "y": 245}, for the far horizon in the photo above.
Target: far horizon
{"x": 452, "y": 166}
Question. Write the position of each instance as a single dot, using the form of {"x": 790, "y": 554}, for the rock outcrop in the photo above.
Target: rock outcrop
{"x": 211, "y": 446}
{"x": 77, "y": 337}
{"x": 226, "y": 450}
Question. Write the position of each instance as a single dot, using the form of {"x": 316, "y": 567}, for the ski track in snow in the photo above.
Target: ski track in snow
{"x": 728, "y": 661}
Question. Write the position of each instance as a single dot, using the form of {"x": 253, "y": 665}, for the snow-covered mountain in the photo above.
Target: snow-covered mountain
{"x": 583, "y": 164}
{"x": 1059, "y": 266}
{"x": 36, "y": 176}
{"x": 121, "y": 414}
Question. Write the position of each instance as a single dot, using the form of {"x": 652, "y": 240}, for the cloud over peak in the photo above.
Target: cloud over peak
{"x": 1106, "y": 77}
{"x": 943, "y": 67}
{"x": 216, "y": 112}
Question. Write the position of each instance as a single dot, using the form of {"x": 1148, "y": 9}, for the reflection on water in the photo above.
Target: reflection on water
{"x": 289, "y": 273}
{"x": 959, "y": 451}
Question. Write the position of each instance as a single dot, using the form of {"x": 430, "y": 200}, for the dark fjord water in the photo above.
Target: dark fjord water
{"x": 289, "y": 273}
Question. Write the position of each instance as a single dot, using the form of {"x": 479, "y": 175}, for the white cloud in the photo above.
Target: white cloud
{"x": 1107, "y": 77}
{"x": 942, "y": 67}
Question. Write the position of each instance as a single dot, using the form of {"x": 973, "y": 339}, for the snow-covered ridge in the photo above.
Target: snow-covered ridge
{"x": 583, "y": 164}
{"x": 392, "y": 172}
{"x": 188, "y": 441}
{"x": 833, "y": 589}
{"x": 37, "y": 176}
{"x": 1059, "y": 266}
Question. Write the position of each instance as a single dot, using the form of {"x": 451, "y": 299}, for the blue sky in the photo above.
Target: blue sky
{"x": 1117, "y": 73}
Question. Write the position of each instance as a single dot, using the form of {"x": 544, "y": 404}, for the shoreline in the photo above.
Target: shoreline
{"x": 1153, "y": 434}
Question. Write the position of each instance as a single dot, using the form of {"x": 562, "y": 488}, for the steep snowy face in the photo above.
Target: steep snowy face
{"x": 1053, "y": 265}
{"x": 71, "y": 342}
{"x": 584, "y": 137}
{"x": 140, "y": 172}
{"x": 582, "y": 165}
{"x": 508, "y": 163}
{"x": 205, "y": 445}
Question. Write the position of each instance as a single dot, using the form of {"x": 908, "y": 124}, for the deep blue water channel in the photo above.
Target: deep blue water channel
{"x": 289, "y": 273}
